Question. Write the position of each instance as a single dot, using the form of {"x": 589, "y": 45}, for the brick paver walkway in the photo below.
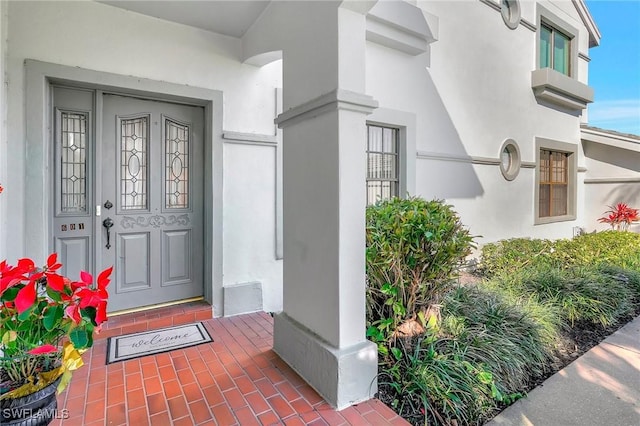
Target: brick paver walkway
{"x": 235, "y": 380}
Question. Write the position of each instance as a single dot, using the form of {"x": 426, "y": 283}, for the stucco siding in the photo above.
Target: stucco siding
{"x": 613, "y": 176}
{"x": 104, "y": 38}
{"x": 470, "y": 92}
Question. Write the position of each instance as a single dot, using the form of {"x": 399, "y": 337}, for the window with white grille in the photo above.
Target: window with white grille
{"x": 383, "y": 169}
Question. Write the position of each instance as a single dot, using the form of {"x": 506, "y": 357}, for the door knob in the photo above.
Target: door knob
{"x": 108, "y": 223}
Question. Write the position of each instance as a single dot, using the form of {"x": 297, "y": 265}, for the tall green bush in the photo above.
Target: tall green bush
{"x": 413, "y": 248}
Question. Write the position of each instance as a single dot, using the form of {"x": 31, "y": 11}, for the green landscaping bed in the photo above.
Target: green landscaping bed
{"x": 458, "y": 354}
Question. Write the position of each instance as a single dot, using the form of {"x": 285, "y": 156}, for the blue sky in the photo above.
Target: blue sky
{"x": 614, "y": 70}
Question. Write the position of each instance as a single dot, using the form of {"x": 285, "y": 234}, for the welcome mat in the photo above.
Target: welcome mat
{"x": 134, "y": 345}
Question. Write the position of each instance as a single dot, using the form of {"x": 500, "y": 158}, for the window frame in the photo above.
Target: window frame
{"x": 406, "y": 122}
{"x": 572, "y": 156}
{"x": 550, "y": 20}
{"x": 553, "y": 31}
{"x": 547, "y": 179}
{"x": 398, "y": 162}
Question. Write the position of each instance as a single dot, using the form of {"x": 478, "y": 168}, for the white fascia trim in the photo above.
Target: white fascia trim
{"x": 604, "y": 138}
{"x": 587, "y": 20}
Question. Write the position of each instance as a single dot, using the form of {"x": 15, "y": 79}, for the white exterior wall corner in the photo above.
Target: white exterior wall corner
{"x": 470, "y": 92}
{"x": 159, "y": 50}
{"x": 613, "y": 174}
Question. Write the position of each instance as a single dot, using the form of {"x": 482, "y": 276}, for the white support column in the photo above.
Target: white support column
{"x": 321, "y": 332}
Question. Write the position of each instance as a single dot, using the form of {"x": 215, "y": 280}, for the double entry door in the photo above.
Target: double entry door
{"x": 133, "y": 195}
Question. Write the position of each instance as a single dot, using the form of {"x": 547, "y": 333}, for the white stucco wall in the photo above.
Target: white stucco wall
{"x": 613, "y": 176}
{"x": 103, "y": 38}
{"x": 601, "y": 195}
{"x": 3, "y": 130}
{"x": 249, "y": 220}
{"x": 470, "y": 93}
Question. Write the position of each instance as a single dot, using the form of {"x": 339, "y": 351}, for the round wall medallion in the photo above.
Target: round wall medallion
{"x": 510, "y": 10}
{"x": 510, "y": 159}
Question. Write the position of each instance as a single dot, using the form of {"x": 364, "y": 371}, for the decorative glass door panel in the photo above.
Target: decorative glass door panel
{"x": 176, "y": 165}
{"x": 152, "y": 173}
{"x": 134, "y": 146}
{"x": 72, "y": 162}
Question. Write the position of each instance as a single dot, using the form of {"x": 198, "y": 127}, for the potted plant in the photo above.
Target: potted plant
{"x": 46, "y": 323}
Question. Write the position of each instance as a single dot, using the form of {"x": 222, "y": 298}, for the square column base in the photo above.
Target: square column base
{"x": 343, "y": 377}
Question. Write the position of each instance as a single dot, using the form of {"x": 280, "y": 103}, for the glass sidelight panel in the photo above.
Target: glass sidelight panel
{"x": 134, "y": 145}
{"x": 73, "y": 162}
{"x": 176, "y": 165}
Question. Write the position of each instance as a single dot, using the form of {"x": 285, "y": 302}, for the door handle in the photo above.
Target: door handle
{"x": 108, "y": 223}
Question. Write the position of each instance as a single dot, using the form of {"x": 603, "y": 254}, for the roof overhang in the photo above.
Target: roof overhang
{"x": 587, "y": 20}
{"x": 230, "y": 18}
{"x": 610, "y": 138}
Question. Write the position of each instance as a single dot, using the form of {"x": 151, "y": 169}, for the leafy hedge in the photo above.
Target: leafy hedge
{"x": 592, "y": 278}
{"x": 615, "y": 248}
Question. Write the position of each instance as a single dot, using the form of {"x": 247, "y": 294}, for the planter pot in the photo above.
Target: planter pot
{"x": 36, "y": 409}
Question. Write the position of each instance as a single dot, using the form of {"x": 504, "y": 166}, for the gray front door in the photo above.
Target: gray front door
{"x": 152, "y": 194}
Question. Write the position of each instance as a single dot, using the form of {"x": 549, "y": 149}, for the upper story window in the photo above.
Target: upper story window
{"x": 383, "y": 171}
{"x": 555, "y": 49}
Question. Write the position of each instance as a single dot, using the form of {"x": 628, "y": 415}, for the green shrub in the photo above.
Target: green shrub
{"x": 413, "y": 248}
{"x": 631, "y": 278}
{"x": 615, "y": 248}
{"x": 509, "y": 256}
{"x": 610, "y": 247}
{"x": 513, "y": 337}
{"x": 588, "y": 294}
{"x": 433, "y": 387}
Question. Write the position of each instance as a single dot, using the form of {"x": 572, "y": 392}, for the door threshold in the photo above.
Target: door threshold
{"x": 159, "y": 305}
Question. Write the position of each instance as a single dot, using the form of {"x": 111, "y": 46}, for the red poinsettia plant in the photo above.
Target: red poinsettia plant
{"x": 620, "y": 216}
{"x": 46, "y": 322}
